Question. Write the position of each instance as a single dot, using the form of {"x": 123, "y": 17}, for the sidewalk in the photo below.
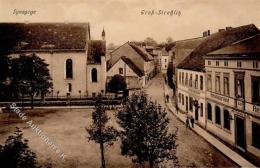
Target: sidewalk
{"x": 235, "y": 157}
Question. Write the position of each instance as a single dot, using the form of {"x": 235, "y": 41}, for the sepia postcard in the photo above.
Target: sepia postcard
{"x": 129, "y": 83}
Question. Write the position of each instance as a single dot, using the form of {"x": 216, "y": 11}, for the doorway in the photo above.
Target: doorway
{"x": 240, "y": 133}
{"x": 196, "y": 114}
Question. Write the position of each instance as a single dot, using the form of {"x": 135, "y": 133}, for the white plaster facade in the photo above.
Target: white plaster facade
{"x": 191, "y": 86}
{"x": 133, "y": 81}
{"x": 243, "y": 113}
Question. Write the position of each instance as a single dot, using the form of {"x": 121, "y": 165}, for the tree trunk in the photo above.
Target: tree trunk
{"x": 103, "y": 164}
{"x": 32, "y": 102}
{"x": 151, "y": 164}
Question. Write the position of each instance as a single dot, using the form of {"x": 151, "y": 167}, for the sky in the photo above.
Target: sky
{"x": 123, "y": 20}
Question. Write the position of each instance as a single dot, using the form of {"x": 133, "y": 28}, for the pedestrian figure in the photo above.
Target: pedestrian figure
{"x": 187, "y": 122}
{"x": 167, "y": 98}
{"x": 192, "y": 121}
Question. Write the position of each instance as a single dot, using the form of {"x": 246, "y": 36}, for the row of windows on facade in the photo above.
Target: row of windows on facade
{"x": 239, "y": 64}
{"x": 69, "y": 71}
{"x": 227, "y": 118}
{"x": 190, "y": 82}
{"x": 239, "y": 85}
{"x": 189, "y": 103}
{"x": 218, "y": 115}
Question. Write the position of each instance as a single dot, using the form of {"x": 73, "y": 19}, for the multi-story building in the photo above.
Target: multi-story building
{"x": 192, "y": 74}
{"x": 233, "y": 94}
{"x": 191, "y": 87}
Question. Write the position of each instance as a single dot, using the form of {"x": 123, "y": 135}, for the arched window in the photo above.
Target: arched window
{"x": 94, "y": 75}
{"x": 209, "y": 111}
{"x": 226, "y": 119}
{"x": 69, "y": 71}
{"x": 218, "y": 115}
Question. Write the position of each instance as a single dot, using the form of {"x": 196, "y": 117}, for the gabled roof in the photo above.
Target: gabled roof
{"x": 131, "y": 65}
{"x": 145, "y": 55}
{"x": 136, "y": 54}
{"x": 95, "y": 49}
{"x": 164, "y": 52}
{"x": 46, "y": 36}
{"x": 195, "y": 60}
{"x": 246, "y": 46}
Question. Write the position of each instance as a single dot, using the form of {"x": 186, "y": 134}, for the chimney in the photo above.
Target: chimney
{"x": 228, "y": 28}
{"x": 204, "y": 34}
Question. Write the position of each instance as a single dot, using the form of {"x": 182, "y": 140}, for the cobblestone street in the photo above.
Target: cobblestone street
{"x": 192, "y": 149}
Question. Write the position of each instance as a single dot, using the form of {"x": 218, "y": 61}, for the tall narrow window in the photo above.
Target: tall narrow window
{"x": 239, "y": 84}
{"x": 182, "y": 78}
{"x": 217, "y": 83}
{"x": 255, "y": 64}
{"x": 94, "y": 75}
{"x": 182, "y": 98}
{"x": 239, "y": 64}
{"x": 190, "y": 81}
{"x": 179, "y": 78}
{"x": 201, "y": 82}
{"x": 201, "y": 109}
{"x": 226, "y": 119}
{"x": 256, "y": 90}
{"x": 196, "y": 81}
{"x": 209, "y": 82}
{"x": 218, "y": 115}
{"x": 191, "y": 104}
{"x": 217, "y": 63}
{"x": 225, "y": 63}
{"x": 186, "y": 79}
{"x": 179, "y": 98}
{"x": 69, "y": 70}
{"x": 209, "y": 112}
{"x": 226, "y": 84}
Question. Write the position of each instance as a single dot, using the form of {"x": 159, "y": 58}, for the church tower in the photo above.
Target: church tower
{"x": 103, "y": 35}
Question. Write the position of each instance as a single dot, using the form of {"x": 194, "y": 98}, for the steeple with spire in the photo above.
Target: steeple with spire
{"x": 103, "y": 34}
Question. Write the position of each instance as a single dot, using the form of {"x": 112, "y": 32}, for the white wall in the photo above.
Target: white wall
{"x": 132, "y": 79}
{"x": 195, "y": 93}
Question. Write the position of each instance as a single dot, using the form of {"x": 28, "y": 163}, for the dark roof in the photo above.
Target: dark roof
{"x": 46, "y": 36}
{"x": 127, "y": 50}
{"x": 165, "y": 52}
{"x": 131, "y": 64}
{"x": 250, "y": 45}
{"x": 146, "y": 56}
{"x": 169, "y": 46}
{"x": 195, "y": 60}
{"x": 95, "y": 49}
